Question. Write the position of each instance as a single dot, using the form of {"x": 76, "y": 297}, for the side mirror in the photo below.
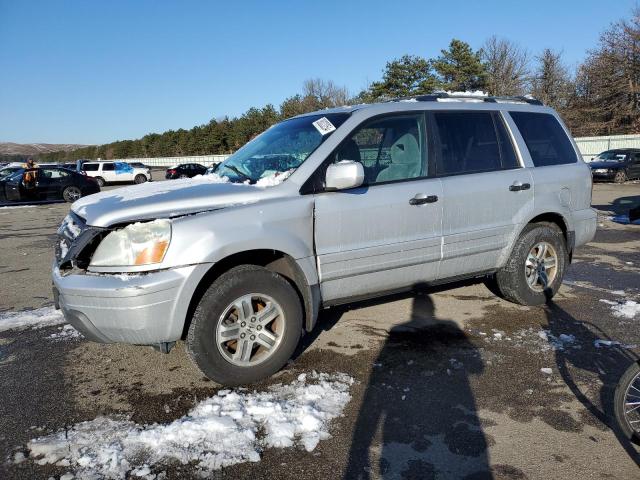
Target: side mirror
{"x": 344, "y": 174}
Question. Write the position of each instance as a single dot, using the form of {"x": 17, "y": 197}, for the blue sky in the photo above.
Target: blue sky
{"x": 99, "y": 71}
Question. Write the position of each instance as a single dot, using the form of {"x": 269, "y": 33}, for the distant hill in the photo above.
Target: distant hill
{"x": 9, "y": 148}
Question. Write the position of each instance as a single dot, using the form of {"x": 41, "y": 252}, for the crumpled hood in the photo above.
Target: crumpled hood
{"x": 607, "y": 165}
{"x": 163, "y": 199}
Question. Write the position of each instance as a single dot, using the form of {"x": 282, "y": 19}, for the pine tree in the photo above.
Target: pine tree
{"x": 460, "y": 68}
{"x": 408, "y": 75}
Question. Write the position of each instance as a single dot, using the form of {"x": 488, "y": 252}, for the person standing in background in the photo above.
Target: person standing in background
{"x": 29, "y": 178}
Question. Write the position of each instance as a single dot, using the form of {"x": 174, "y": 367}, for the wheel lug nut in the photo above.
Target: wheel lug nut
{"x": 253, "y": 319}
{"x": 242, "y": 335}
{"x": 259, "y": 327}
{"x": 253, "y": 337}
{"x": 243, "y": 324}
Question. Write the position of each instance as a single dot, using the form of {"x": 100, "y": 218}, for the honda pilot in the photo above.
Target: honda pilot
{"x": 362, "y": 201}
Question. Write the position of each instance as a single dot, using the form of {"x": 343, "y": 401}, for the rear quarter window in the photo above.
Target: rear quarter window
{"x": 545, "y": 138}
{"x": 90, "y": 167}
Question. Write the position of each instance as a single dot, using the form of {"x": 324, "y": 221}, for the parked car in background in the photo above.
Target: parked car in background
{"x": 49, "y": 183}
{"x": 112, "y": 172}
{"x": 185, "y": 170}
{"x": 6, "y": 171}
{"x": 375, "y": 199}
{"x": 139, "y": 165}
{"x": 70, "y": 166}
{"x": 617, "y": 165}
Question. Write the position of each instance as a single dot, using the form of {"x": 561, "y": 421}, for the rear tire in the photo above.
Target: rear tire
{"x": 522, "y": 279}
{"x": 214, "y": 338}
{"x": 101, "y": 182}
{"x": 140, "y": 178}
{"x": 183, "y": 175}
{"x": 71, "y": 194}
{"x": 620, "y": 176}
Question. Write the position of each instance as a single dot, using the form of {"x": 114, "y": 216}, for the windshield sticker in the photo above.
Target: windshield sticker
{"x": 324, "y": 126}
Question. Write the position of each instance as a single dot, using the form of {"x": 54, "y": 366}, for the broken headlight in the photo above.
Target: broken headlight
{"x": 136, "y": 244}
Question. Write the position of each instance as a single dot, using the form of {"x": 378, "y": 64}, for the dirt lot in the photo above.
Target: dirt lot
{"x": 448, "y": 382}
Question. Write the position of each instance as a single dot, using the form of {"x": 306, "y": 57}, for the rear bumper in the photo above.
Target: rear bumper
{"x": 584, "y": 225}
{"x": 139, "y": 309}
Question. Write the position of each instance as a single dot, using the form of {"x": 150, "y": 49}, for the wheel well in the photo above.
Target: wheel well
{"x": 554, "y": 218}
{"x": 273, "y": 260}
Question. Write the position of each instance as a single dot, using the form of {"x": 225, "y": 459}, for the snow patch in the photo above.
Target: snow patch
{"x": 626, "y": 309}
{"x": 275, "y": 179}
{"x": 63, "y": 248}
{"x": 17, "y": 206}
{"x": 38, "y": 318}
{"x": 228, "y": 428}
{"x": 66, "y": 332}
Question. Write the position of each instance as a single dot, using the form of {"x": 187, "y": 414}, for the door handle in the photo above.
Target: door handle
{"x": 421, "y": 199}
{"x": 517, "y": 186}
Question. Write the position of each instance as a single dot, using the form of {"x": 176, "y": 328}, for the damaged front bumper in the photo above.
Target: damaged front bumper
{"x": 141, "y": 309}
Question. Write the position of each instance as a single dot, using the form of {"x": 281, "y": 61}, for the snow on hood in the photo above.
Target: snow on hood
{"x": 164, "y": 199}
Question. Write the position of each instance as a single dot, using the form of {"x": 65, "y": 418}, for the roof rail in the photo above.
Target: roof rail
{"x": 434, "y": 97}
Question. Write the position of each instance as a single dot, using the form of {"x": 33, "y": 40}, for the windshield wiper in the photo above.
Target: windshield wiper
{"x": 239, "y": 172}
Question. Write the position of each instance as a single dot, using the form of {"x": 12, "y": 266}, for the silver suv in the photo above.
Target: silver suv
{"x": 324, "y": 209}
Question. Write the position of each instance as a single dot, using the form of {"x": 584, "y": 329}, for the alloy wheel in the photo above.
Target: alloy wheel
{"x": 71, "y": 194}
{"x": 541, "y": 266}
{"x": 250, "y": 329}
{"x": 632, "y": 404}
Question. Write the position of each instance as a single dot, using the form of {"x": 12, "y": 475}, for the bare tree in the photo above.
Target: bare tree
{"x": 325, "y": 92}
{"x": 507, "y": 67}
{"x": 609, "y": 81}
{"x": 551, "y": 82}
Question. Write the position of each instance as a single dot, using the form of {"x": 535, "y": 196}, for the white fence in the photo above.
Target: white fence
{"x": 591, "y": 146}
{"x": 206, "y": 160}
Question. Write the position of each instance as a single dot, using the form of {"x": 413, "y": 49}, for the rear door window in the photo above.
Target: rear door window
{"x": 546, "y": 140}
{"x": 467, "y": 142}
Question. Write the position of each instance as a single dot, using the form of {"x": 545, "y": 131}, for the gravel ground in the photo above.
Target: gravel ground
{"x": 448, "y": 381}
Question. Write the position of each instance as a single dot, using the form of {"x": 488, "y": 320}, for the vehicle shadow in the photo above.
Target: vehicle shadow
{"x": 594, "y": 354}
{"x": 620, "y": 205}
{"x": 418, "y": 416}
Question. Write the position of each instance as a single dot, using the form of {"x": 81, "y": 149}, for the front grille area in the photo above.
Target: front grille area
{"x": 71, "y": 228}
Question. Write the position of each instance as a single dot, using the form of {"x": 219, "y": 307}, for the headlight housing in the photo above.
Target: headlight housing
{"x": 136, "y": 244}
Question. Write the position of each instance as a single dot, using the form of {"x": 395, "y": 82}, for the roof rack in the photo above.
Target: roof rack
{"x": 434, "y": 97}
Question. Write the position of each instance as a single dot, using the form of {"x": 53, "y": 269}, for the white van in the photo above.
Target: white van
{"x": 110, "y": 172}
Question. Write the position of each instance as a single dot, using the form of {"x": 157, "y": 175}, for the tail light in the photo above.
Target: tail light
{"x": 171, "y": 171}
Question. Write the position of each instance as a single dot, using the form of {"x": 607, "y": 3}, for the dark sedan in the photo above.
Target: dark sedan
{"x": 618, "y": 165}
{"x": 185, "y": 170}
{"x": 51, "y": 183}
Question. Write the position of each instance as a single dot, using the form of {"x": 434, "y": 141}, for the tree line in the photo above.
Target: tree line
{"x": 599, "y": 97}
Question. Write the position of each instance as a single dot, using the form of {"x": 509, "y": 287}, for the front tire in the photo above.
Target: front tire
{"x": 533, "y": 274}
{"x": 101, "y": 182}
{"x": 626, "y": 392}
{"x": 246, "y": 326}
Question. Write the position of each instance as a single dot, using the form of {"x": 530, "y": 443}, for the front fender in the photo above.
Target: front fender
{"x": 284, "y": 224}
